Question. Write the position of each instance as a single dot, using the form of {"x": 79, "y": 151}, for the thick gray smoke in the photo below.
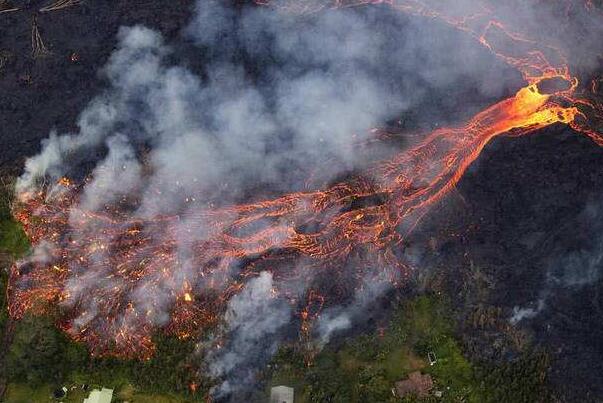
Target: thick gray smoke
{"x": 253, "y": 320}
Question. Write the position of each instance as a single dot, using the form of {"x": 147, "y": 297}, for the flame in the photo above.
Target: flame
{"x": 407, "y": 186}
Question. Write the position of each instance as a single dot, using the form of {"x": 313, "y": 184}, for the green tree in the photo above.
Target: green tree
{"x": 40, "y": 353}
{"x": 36, "y": 355}
{"x": 170, "y": 369}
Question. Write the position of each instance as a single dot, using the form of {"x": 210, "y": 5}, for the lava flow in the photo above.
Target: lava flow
{"x": 120, "y": 257}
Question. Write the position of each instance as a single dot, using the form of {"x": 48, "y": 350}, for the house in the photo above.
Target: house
{"x": 417, "y": 384}
{"x": 100, "y": 396}
{"x": 281, "y": 394}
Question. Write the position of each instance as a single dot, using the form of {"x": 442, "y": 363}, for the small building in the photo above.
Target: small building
{"x": 60, "y": 393}
{"x": 281, "y": 394}
{"x": 100, "y": 396}
{"x": 417, "y": 384}
{"x": 432, "y": 358}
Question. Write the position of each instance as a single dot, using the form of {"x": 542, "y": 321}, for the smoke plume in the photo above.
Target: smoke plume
{"x": 253, "y": 320}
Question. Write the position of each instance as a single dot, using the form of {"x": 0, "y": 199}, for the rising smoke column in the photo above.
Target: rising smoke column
{"x": 150, "y": 236}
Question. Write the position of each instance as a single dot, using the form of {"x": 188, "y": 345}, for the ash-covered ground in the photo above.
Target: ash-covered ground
{"x": 38, "y": 94}
{"x": 528, "y": 213}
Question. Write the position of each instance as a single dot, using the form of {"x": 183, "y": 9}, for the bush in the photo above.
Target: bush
{"x": 40, "y": 354}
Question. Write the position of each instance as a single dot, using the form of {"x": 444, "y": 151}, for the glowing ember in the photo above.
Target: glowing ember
{"x": 406, "y": 186}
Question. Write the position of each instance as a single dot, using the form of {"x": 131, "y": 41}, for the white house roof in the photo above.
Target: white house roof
{"x": 100, "y": 396}
{"x": 281, "y": 394}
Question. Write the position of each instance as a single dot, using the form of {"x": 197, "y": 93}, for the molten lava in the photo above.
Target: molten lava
{"x": 122, "y": 257}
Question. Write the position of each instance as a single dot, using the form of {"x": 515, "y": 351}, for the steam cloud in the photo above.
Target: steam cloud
{"x": 177, "y": 139}
{"x": 253, "y": 319}
{"x": 574, "y": 269}
{"x": 340, "y": 318}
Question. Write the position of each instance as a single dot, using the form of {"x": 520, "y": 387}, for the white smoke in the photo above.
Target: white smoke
{"x": 94, "y": 122}
{"x": 571, "y": 270}
{"x": 253, "y": 319}
{"x": 330, "y": 323}
{"x": 117, "y": 175}
{"x": 520, "y": 313}
{"x": 340, "y": 318}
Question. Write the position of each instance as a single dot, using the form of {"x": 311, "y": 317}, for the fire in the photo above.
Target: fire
{"x": 407, "y": 186}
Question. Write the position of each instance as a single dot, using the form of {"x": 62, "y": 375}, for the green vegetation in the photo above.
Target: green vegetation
{"x": 13, "y": 241}
{"x": 13, "y": 244}
{"x": 517, "y": 381}
{"x": 366, "y": 367}
{"x": 41, "y": 358}
{"x": 3, "y": 302}
{"x": 22, "y": 393}
{"x": 39, "y": 354}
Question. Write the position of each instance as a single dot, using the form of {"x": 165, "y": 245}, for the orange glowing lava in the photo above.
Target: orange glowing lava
{"x": 318, "y": 226}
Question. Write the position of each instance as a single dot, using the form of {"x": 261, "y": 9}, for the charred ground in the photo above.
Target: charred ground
{"x": 38, "y": 94}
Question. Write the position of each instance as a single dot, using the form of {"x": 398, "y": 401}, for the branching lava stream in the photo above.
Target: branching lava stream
{"x": 125, "y": 255}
